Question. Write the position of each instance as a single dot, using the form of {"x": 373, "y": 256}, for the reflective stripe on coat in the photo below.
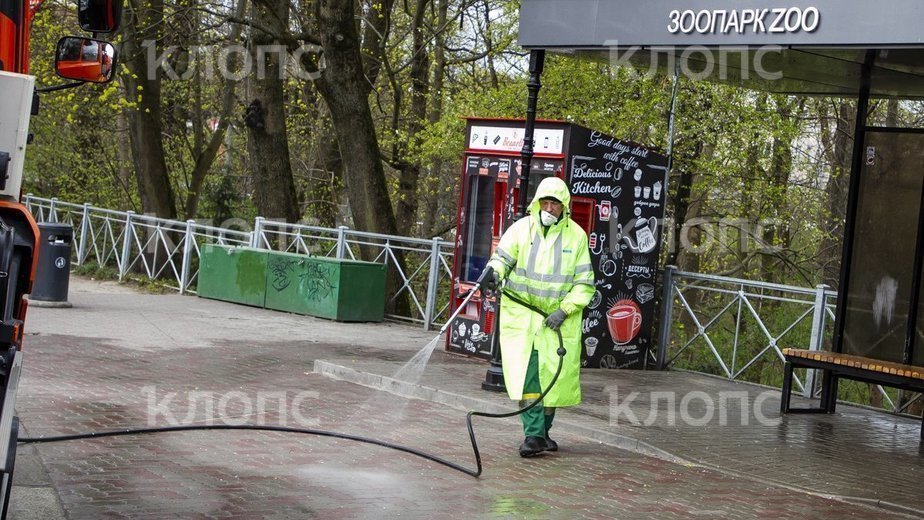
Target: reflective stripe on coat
{"x": 548, "y": 270}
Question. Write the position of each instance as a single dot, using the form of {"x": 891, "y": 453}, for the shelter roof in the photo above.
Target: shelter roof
{"x": 815, "y": 49}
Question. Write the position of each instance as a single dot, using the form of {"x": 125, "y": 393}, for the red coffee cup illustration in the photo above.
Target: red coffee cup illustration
{"x": 624, "y": 319}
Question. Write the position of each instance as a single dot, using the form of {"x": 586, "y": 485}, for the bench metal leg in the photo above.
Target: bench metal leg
{"x": 787, "y": 388}
{"x": 829, "y": 392}
{"x": 786, "y": 398}
{"x": 825, "y": 389}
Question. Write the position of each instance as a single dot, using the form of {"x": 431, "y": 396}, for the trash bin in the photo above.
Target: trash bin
{"x": 52, "y": 274}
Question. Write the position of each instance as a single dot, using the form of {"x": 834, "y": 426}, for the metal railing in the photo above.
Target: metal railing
{"x": 726, "y": 326}
{"x": 168, "y": 250}
{"x": 737, "y": 328}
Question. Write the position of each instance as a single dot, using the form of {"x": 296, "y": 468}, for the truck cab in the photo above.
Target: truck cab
{"x": 82, "y": 60}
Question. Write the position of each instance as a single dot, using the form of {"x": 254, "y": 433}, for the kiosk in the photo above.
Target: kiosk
{"x": 618, "y": 193}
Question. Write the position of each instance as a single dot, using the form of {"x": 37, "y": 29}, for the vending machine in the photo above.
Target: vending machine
{"x": 618, "y": 190}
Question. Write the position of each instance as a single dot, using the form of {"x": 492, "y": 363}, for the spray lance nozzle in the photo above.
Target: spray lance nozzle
{"x": 488, "y": 280}
{"x": 486, "y": 283}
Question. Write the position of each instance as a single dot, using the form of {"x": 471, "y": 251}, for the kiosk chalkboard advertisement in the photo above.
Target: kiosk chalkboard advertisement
{"x": 618, "y": 191}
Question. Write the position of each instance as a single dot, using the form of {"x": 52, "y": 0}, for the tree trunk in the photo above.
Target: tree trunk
{"x": 687, "y": 257}
{"x": 274, "y": 192}
{"x": 325, "y": 181}
{"x": 681, "y": 203}
{"x": 206, "y": 157}
{"x": 752, "y": 193}
{"x": 420, "y": 86}
{"x": 329, "y": 192}
{"x": 776, "y": 237}
{"x": 838, "y": 142}
{"x": 375, "y": 36}
{"x": 432, "y": 221}
{"x": 143, "y": 21}
{"x": 344, "y": 88}
{"x": 489, "y": 46}
{"x": 686, "y": 209}
{"x": 124, "y": 158}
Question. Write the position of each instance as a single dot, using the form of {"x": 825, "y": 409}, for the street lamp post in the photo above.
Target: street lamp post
{"x": 494, "y": 378}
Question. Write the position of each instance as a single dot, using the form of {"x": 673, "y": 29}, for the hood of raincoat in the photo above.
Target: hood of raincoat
{"x": 552, "y": 187}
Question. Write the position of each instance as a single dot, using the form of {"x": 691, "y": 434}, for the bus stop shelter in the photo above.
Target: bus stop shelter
{"x": 845, "y": 48}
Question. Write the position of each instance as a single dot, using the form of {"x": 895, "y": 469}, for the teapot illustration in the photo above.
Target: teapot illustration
{"x": 645, "y": 232}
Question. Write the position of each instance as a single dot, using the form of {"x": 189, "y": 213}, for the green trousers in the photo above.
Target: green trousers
{"x": 538, "y": 420}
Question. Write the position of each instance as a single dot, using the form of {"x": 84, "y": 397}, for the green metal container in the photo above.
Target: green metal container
{"x": 233, "y": 274}
{"x": 342, "y": 290}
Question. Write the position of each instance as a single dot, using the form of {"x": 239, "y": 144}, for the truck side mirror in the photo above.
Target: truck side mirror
{"x": 99, "y": 16}
{"x": 85, "y": 59}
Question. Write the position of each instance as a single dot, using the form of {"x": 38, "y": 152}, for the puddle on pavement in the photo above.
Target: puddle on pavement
{"x": 518, "y": 506}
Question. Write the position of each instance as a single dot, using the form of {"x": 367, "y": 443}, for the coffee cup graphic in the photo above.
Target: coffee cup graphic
{"x": 590, "y": 345}
{"x": 624, "y": 319}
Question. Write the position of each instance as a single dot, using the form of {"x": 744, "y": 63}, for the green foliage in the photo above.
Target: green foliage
{"x": 73, "y": 154}
{"x": 96, "y": 272}
{"x": 762, "y": 170}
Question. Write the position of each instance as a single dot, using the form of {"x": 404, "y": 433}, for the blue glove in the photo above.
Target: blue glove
{"x": 555, "y": 319}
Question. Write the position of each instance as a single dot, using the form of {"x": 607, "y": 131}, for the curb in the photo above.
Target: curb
{"x": 48, "y": 304}
{"x": 466, "y": 403}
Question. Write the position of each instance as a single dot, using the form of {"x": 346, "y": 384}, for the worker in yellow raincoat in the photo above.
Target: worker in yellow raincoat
{"x": 545, "y": 259}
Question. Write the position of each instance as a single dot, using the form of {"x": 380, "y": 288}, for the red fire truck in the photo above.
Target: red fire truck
{"x": 77, "y": 58}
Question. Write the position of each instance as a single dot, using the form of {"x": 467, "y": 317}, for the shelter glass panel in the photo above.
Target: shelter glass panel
{"x": 885, "y": 236}
{"x": 918, "y": 355}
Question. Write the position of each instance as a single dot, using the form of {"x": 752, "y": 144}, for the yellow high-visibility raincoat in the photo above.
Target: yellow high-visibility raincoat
{"x": 549, "y": 269}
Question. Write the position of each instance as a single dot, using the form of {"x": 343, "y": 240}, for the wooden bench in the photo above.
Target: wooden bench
{"x": 835, "y": 366}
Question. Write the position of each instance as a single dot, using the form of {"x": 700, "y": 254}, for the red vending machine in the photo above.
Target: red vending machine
{"x": 618, "y": 190}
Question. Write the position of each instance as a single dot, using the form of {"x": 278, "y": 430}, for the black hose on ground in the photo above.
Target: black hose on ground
{"x": 468, "y": 419}
{"x": 309, "y": 431}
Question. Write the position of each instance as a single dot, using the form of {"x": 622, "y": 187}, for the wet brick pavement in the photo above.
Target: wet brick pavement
{"x": 100, "y": 375}
{"x": 274, "y": 475}
{"x": 857, "y": 453}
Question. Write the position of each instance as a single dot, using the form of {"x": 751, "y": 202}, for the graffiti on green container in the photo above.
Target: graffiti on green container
{"x": 316, "y": 281}
{"x": 281, "y": 270}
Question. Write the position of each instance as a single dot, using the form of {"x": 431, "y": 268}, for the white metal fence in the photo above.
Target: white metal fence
{"x": 737, "y": 325}
{"x": 731, "y": 327}
{"x": 168, "y": 250}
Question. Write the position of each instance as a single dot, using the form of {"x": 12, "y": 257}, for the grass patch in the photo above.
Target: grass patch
{"x": 139, "y": 281}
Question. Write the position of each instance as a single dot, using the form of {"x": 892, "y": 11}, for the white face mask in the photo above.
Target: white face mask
{"x": 547, "y": 218}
